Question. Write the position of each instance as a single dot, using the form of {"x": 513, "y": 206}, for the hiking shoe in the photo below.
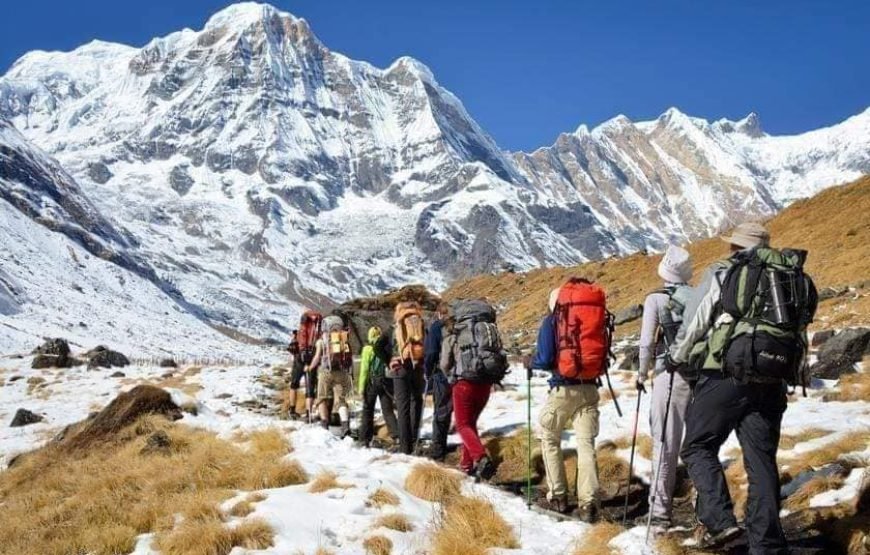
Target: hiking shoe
{"x": 711, "y": 540}
{"x": 437, "y": 453}
{"x": 658, "y": 528}
{"x": 556, "y": 504}
{"x": 484, "y": 469}
{"x": 324, "y": 424}
{"x": 588, "y": 512}
{"x": 293, "y": 415}
{"x": 344, "y": 431}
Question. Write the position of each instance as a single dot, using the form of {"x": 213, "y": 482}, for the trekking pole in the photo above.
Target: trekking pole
{"x": 529, "y": 435}
{"x": 655, "y": 482}
{"x": 631, "y": 458}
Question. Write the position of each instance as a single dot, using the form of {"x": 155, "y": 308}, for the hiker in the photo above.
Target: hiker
{"x": 747, "y": 337}
{"x": 576, "y": 362}
{"x": 406, "y": 371}
{"x": 472, "y": 360}
{"x": 374, "y": 385}
{"x": 442, "y": 396}
{"x": 288, "y": 406}
{"x": 306, "y": 337}
{"x": 334, "y": 361}
{"x": 671, "y": 390}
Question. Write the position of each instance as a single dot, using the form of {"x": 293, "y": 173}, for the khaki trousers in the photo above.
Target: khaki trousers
{"x": 577, "y": 406}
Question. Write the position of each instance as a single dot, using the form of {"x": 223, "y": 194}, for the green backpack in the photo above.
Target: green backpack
{"x": 770, "y": 301}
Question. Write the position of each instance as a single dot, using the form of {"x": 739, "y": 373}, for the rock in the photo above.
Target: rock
{"x": 95, "y": 350}
{"x": 168, "y": 363}
{"x": 57, "y": 347}
{"x": 157, "y": 443}
{"x": 108, "y": 359}
{"x": 826, "y": 293}
{"x": 124, "y": 409}
{"x": 804, "y": 477}
{"x": 628, "y": 314}
{"x": 167, "y": 375}
{"x": 52, "y": 361}
{"x": 24, "y": 417}
{"x": 223, "y": 396}
{"x": 118, "y": 374}
{"x": 839, "y": 354}
{"x": 632, "y": 358}
{"x": 15, "y": 378}
{"x": 820, "y": 337}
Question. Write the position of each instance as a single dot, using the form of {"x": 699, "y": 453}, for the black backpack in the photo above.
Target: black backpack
{"x": 480, "y": 356}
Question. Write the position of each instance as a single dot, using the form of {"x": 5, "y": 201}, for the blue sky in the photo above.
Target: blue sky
{"x": 530, "y": 70}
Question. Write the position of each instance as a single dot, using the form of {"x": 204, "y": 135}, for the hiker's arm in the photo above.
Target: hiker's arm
{"x": 365, "y": 362}
{"x": 648, "y": 329}
{"x": 318, "y": 354}
{"x": 447, "y": 359}
{"x": 546, "y": 346}
{"x": 431, "y": 349}
{"x": 696, "y": 329}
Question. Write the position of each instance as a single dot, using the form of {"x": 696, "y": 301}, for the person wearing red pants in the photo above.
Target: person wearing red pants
{"x": 469, "y": 400}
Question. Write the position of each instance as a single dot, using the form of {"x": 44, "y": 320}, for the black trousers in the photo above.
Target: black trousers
{"x": 377, "y": 388}
{"x": 310, "y": 379}
{"x": 408, "y": 396}
{"x": 754, "y": 410}
{"x": 442, "y": 398}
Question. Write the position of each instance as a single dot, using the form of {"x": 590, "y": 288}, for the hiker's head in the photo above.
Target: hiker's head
{"x": 676, "y": 265}
{"x": 442, "y": 310}
{"x": 747, "y": 236}
{"x": 554, "y": 297}
{"x": 374, "y": 334}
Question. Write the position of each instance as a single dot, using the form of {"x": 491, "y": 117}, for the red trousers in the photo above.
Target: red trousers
{"x": 469, "y": 399}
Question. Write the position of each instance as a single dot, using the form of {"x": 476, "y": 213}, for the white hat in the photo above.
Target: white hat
{"x": 676, "y": 265}
{"x": 554, "y": 296}
{"x": 748, "y": 235}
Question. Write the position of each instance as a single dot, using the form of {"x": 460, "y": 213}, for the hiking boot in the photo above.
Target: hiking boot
{"x": 293, "y": 415}
{"x": 438, "y": 453}
{"x": 556, "y": 504}
{"x": 658, "y": 527}
{"x": 712, "y": 540}
{"x": 324, "y": 424}
{"x": 485, "y": 469}
{"x": 344, "y": 431}
{"x": 588, "y": 512}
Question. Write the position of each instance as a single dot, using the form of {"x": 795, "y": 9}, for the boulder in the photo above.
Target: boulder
{"x": 820, "y": 337}
{"x": 168, "y": 363}
{"x": 107, "y": 359}
{"x": 839, "y": 354}
{"x": 631, "y": 359}
{"x": 826, "y": 293}
{"x": 56, "y": 347}
{"x": 24, "y": 417}
{"x": 124, "y": 409}
{"x": 48, "y": 361}
{"x": 628, "y": 314}
{"x": 826, "y": 471}
{"x": 118, "y": 374}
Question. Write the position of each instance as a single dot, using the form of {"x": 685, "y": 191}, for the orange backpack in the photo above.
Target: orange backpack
{"x": 409, "y": 331}
{"x": 584, "y": 329}
{"x": 309, "y": 331}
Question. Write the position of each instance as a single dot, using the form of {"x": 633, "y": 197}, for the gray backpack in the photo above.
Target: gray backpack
{"x": 480, "y": 356}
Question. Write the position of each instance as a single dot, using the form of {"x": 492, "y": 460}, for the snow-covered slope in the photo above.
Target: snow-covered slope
{"x": 255, "y": 171}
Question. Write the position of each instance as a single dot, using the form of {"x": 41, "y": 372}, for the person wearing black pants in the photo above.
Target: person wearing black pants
{"x": 408, "y": 397}
{"x": 374, "y": 385}
{"x": 442, "y": 396}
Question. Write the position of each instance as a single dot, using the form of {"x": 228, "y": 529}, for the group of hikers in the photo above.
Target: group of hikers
{"x": 718, "y": 357}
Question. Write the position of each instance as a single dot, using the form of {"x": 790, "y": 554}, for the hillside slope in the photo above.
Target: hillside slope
{"x": 833, "y": 226}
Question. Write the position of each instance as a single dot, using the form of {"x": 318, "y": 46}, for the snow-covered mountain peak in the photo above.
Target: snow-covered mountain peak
{"x": 242, "y": 14}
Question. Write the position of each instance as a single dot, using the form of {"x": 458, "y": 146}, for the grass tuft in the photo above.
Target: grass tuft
{"x": 382, "y": 497}
{"x": 378, "y": 545}
{"x": 246, "y": 505}
{"x": 789, "y": 441}
{"x": 471, "y": 526}
{"x": 801, "y": 498}
{"x": 433, "y": 483}
{"x": 828, "y": 453}
{"x": 851, "y": 387}
{"x": 394, "y": 521}
{"x": 595, "y": 541}
{"x": 326, "y": 481}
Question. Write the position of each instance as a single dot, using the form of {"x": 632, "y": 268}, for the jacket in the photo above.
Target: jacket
{"x": 545, "y": 353}
{"x": 371, "y": 354}
{"x": 699, "y": 314}
{"x": 653, "y": 306}
{"x": 432, "y": 347}
{"x": 449, "y": 363}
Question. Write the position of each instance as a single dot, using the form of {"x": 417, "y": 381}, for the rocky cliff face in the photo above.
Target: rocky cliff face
{"x": 255, "y": 170}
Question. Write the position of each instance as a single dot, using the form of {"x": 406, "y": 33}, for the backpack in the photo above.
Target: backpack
{"x": 409, "y": 331}
{"x": 336, "y": 344}
{"x": 378, "y": 366}
{"x": 584, "y": 329}
{"x": 309, "y": 331}
{"x": 670, "y": 319}
{"x": 771, "y": 301}
{"x": 480, "y": 356}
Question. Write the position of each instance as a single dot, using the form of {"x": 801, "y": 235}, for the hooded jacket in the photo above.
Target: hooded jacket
{"x": 370, "y": 359}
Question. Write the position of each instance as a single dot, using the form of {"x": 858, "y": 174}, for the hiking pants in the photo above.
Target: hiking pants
{"x": 469, "y": 400}
{"x": 334, "y": 386}
{"x": 310, "y": 378}
{"x": 377, "y": 388}
{"x": 577, "y": 406}
{"x": 408, "y": 396}
{"x": 666, "y": 442}
{"x": 754, "y": 410}
{"x": 442, "y": 399}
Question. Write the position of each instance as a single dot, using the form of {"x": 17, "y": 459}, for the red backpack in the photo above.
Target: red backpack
{"x": 309, "y": 331}
{"x": 583, "y": 331}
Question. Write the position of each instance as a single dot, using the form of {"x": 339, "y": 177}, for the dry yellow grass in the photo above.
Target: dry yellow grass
{"x": 735, "y": 476}
{"x": 394, "y": 521}
{"x": 852, "y": 387}
{"x": 382, "y": 497}
{"x": 837, "y": 258}
{"x": 611, "y": 467}
{"x": 801, "y": 498}
{"x": 471, "y": 526}
{"x": 99, "y": 499}
{"x": 213, "y": 537}
{"x": 828, "y": 453}
{"x": 271, "y": 441}
{"x": 246, "y": 505}
{"x": 595, "y": 541}
{"x": 670, "y": 545}
{"x": 433, "y": 483}
{"x": 642, "y": 448}
{"x": 378, "y": 545}
{"x": 326, "y": 481}
{"x": 510, "y": 453}
{"x": 788, "y": 441}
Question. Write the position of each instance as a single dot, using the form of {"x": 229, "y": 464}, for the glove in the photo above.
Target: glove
{"x": 639, "y": 382}
{"x": 527, "y": 361}
{"x": 670, "y": 364}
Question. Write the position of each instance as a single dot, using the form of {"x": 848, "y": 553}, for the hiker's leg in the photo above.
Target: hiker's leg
{"x": 402, "y": 390}
{"x": 462, "y": 407}
{"x": 480, "y": 396}
{"x": 666, "y": 455}
{"x": 310, "y": 390}
{"x": 367, "y": 420}
{"x": 418, "y": 383}
{"x": 340, "y": 389}
{"x": 585, "y": 431}
{"x": 714, "y": 411}
{"x": 551, "y": 422}
{"x": 442, "y": 399}
{"x": 385, "y": 391}
{"x": 324, "y": 397}
{"x": 758, "y": 434}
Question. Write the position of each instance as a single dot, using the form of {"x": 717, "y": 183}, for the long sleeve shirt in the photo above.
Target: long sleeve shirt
{"x": 546, "y": 352}
{"x": 368, "y": 354}
{"x": 698, "y": 315}
{"x": 432, "y": 347}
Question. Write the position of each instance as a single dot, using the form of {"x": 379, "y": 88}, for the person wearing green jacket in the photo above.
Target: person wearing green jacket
{"x": 373, "y": 385}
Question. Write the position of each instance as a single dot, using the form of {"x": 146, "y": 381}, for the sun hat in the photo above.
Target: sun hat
{"x": 748, "y": 235}
{"x": 676, "y": 265}
{"x": 554, "y": 296}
